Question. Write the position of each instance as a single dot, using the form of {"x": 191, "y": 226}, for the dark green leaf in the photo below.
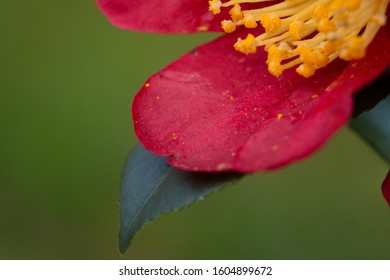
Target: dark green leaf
{"x": 373, "y": 93}
{"x": 150, "y": 187}
{"x": 374, "y": 127}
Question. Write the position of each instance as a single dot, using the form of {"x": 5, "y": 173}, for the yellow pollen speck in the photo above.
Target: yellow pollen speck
{"x": 223, "y": 166}
{"x": 304, "y": 35}
{"x": 275, "y": 147}
{"x": 280, "y": 116}
{"x": 147, "y": 85}
{"x": 203, "y": 28}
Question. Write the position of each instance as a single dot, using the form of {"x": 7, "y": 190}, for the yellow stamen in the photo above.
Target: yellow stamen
{"x": 354, "y": 50}
{"x": 246, "y": 46}
{"x": 249, "y": 21}
{"x": 336, "y": 5}
{"x": 306, "y": 70}
{"x": 353, "y": 5}
{"x": 235, "y": 13}
{"x": 271, "y": 23}
{"x": 215, "y": 6}
{"x": 228, "y": 26}
{"x": 325, "y": 25}
{"x": 275, "y": 68}
{"x": 295, "y": 29}
{"x": 305, "y": 34}
{"x": 320, "y": 12}
{"x": 277, "y": 52}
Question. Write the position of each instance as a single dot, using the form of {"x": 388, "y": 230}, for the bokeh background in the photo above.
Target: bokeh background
{"x": 67, "y": 81}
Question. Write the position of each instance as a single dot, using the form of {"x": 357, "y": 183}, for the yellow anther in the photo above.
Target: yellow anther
{"x": 303, "y": 49}
{"x": 275, "y": 68}
{"x": 215, "y": 6}
{"x": 325, "y": 25}
{"x": 320, "y": 12}
{"x": 306, "y": 54}
{"x": 343, "y": 16}
{"x": 353, "y": 5}
{"x": 285, "y": 47}
{"x": 306, "y": 70}
{"x": 280, "y": 116}
{"x": 276, "y": 53}
{"x": 236, "y": 13}
{"x": 246, "y": 46}
{"x": 295, "y": 29}
{"x": 320, "y": 59}
{"x": 352, "y": 53}
{"x": 336, "y": 5}
{"x": 249, "y": 21}
{"x": 357, "y": 41}
{"x": 330, "y": 47}
{"x": 354, "y": 50}
{"x": 271, "y": 23}
{"x": 228, "y": 26}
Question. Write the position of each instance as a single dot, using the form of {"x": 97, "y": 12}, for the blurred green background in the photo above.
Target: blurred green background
{"x": 67, "y": 81}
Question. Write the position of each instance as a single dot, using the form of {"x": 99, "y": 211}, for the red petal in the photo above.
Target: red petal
{"x": 386, "y": 188}
{"x": 215, "y": 109}
{"x": 165, "y": 16}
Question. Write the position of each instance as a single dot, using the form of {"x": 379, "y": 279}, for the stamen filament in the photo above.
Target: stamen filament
{"x": 336, "y": 28}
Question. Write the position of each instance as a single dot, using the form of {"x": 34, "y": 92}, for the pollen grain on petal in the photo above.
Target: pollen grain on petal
{"x": 203, "y": 28}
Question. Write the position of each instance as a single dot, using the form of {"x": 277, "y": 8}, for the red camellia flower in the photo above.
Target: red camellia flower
{"x": 269, "y": 92}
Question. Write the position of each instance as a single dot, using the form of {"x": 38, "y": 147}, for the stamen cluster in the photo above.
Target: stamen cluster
{"x": 306, "y": 34}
